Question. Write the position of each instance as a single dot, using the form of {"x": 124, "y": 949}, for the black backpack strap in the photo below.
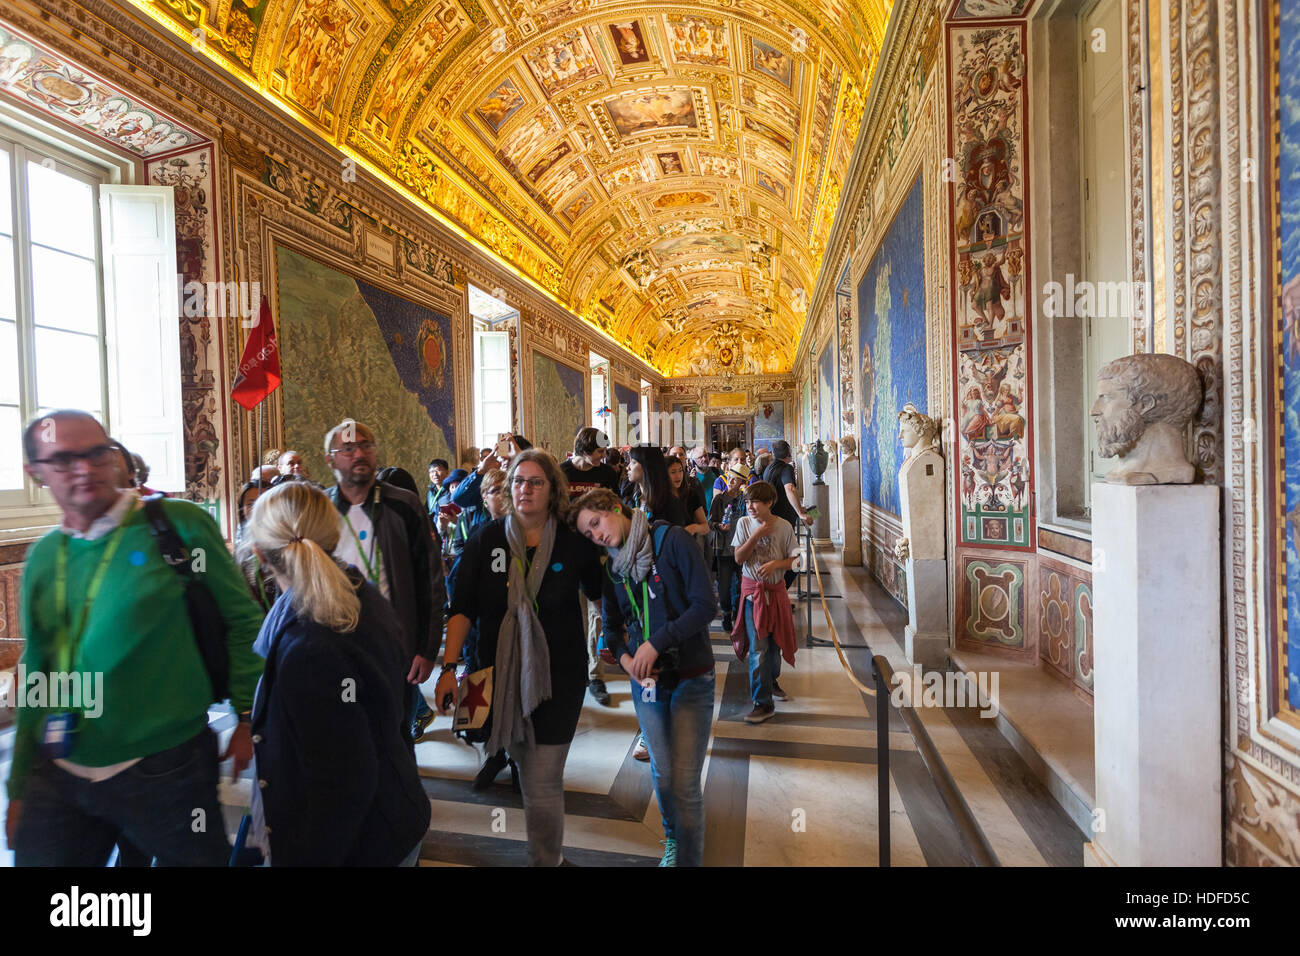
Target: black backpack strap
{"x": 170, "y": 545}
{"x": 659, "y": 531}
{"x": 206, "y": 623}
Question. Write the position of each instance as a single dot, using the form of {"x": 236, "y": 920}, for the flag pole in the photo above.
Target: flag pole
{"x": 260, "y": 406}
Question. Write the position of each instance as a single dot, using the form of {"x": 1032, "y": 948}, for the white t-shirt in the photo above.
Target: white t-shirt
{"x": 780, "y": 544}
{"x": 369, "y": 561}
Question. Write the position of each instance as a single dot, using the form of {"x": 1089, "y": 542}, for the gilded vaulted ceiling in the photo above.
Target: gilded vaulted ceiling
{"x": 667, "y": 172}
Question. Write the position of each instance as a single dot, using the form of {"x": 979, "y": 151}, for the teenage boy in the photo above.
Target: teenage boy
{"x": 725, "y": 513}
{"x": 765, "y": 545}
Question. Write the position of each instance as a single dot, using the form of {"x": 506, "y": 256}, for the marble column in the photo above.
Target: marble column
{"x": 1157, "y": 701}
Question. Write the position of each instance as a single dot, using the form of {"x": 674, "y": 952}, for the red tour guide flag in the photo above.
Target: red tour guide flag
{"x": 258, "y": 374}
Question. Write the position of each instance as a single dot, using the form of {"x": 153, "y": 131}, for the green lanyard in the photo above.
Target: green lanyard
{"x": 261, "y": 589}
{"x": 70, "y": 639}
{"x": 525, "y": 570}
{"x": 642, "y": 621}
{"x": 373, "y": 571}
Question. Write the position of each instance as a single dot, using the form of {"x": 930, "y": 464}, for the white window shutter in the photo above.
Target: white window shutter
{"x": 142, "y": 332}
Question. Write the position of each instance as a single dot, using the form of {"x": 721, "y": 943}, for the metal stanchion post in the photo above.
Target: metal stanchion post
{"x": 809, "y": 571}
{"x": 882, "y": 759}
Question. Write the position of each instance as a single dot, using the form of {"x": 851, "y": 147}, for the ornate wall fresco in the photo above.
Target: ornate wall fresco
{"x": 806, "y": 411}
{"x": 987, "y": 9}
{"x": 1262, "y": 736}
{"x": 385, "y": 357}
{"x": 559, "y": 404}
{"x": 1286, "y": 355}
{"x": 993, "y": 387}
{"x": 37, "y": 77}
{"x": 892, "y": 346}
{"x": 827, "y": 390}
{"x": 627, "y": 401}
{"x": 192, "y": 178}
{"x": 568, "y": 139}
{"x": 991, "y": 600}
{"x": 769, "y": 423}
{"x": 844, "y": 334}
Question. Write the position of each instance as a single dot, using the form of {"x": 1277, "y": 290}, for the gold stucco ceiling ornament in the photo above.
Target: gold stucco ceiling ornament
{"x": 608, "y": 153}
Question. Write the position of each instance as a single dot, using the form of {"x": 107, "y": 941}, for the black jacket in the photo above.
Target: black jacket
{"x": 339, "y": 781}
{"x": 416, "y": 583}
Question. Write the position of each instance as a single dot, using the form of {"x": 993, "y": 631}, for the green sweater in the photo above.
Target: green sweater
{"x": 155, "y": 691}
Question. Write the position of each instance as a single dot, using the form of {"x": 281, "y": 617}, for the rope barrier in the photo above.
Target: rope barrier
{"x": 835, "y": 637}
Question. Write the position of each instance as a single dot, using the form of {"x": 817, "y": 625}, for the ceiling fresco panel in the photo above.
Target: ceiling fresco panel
{"x": 608, "y": 152}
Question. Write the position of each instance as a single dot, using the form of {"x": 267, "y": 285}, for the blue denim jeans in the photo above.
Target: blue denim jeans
{"x": 677, "y": 734}
{"x": 764, "y": 661}
{"x": 155, "y": 805}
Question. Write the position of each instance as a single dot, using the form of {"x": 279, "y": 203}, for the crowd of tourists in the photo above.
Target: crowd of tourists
{"x": 525, "y": 581}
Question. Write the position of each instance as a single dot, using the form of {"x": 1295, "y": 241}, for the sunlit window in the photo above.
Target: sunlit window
{"x": 51, "y": 312}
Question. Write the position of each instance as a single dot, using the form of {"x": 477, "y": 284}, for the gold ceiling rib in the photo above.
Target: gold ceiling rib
{"x": 668, "y": 172}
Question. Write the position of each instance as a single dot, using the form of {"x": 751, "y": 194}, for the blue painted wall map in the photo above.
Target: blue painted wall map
{"x": 891, "y": 344}
{"x": 1289, "y": 182}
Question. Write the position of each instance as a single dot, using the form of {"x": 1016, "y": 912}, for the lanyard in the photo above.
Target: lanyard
{"x": 642, "y": 619}
{"x": 261, "y": 589}
{"x": 373, "y": 571}
{"x": 69, "y": 639}
{"x": 525, "y": 569}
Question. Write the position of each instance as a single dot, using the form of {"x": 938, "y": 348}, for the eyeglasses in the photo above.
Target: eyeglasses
{"x": 493, "y": 491}
{"x": 537, "y": 484}
{"x": 65, "y": 461}
{"x": 351, "y": 448}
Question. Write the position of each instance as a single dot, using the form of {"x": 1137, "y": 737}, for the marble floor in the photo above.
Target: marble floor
{"x": 798, "y": 790}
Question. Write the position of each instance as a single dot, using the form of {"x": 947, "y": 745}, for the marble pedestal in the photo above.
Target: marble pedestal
{"x": 921, "y": 507}
{"x": 1156, "y": 709}
{"x": 925, "y": 639}
{"x": 821, "y": 528}
{"x": 851, "y": 509}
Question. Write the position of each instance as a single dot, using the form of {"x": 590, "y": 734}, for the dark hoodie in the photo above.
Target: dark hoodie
{"x": 681, "y": 605}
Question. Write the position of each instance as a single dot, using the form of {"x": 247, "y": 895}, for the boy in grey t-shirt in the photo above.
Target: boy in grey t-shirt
{"x": 766, "y": 546}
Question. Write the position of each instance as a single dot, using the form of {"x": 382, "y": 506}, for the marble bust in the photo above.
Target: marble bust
{"x": 849, "y": 446}
{"x": 919, "y": 431}
{"x": 1144, "y": 403}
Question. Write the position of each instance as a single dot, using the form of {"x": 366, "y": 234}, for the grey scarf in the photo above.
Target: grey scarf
{"x": 522, "y": 676}
{"x": 632, "y": 561}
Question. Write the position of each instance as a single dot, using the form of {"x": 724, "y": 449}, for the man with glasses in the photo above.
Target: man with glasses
{"x": 386, "y": 536}
{"x": 123, "y": 751}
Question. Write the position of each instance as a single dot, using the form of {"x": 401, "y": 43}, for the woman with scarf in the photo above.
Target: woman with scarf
{"x": 518, "y": 580}
{"x": 337, "y": 781}
{"x": 658, "y": 606}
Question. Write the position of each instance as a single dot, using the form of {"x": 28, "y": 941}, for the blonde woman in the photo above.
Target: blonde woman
{"x": 337, "y": 781}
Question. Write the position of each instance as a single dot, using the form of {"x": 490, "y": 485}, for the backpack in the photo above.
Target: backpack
{"x": 206, "y": 622}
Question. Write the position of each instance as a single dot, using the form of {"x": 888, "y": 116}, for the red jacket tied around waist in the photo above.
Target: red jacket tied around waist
{"x": 772, "y": 614}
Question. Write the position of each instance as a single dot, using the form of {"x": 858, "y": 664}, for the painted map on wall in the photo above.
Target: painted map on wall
{"x": 992, "y": 391}
{"x": 351, "y": 350}
{"x": 1288, "y": 175}
{"x": 559, "y": 404}
{"x": 627, "y": 402}
{"x": 827, "y": 386}
{"x": 769, "y": 423}
{"x": 891, "y": 342}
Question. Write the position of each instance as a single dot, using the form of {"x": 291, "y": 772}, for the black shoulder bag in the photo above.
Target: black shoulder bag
{"x": 206, "y": 622}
